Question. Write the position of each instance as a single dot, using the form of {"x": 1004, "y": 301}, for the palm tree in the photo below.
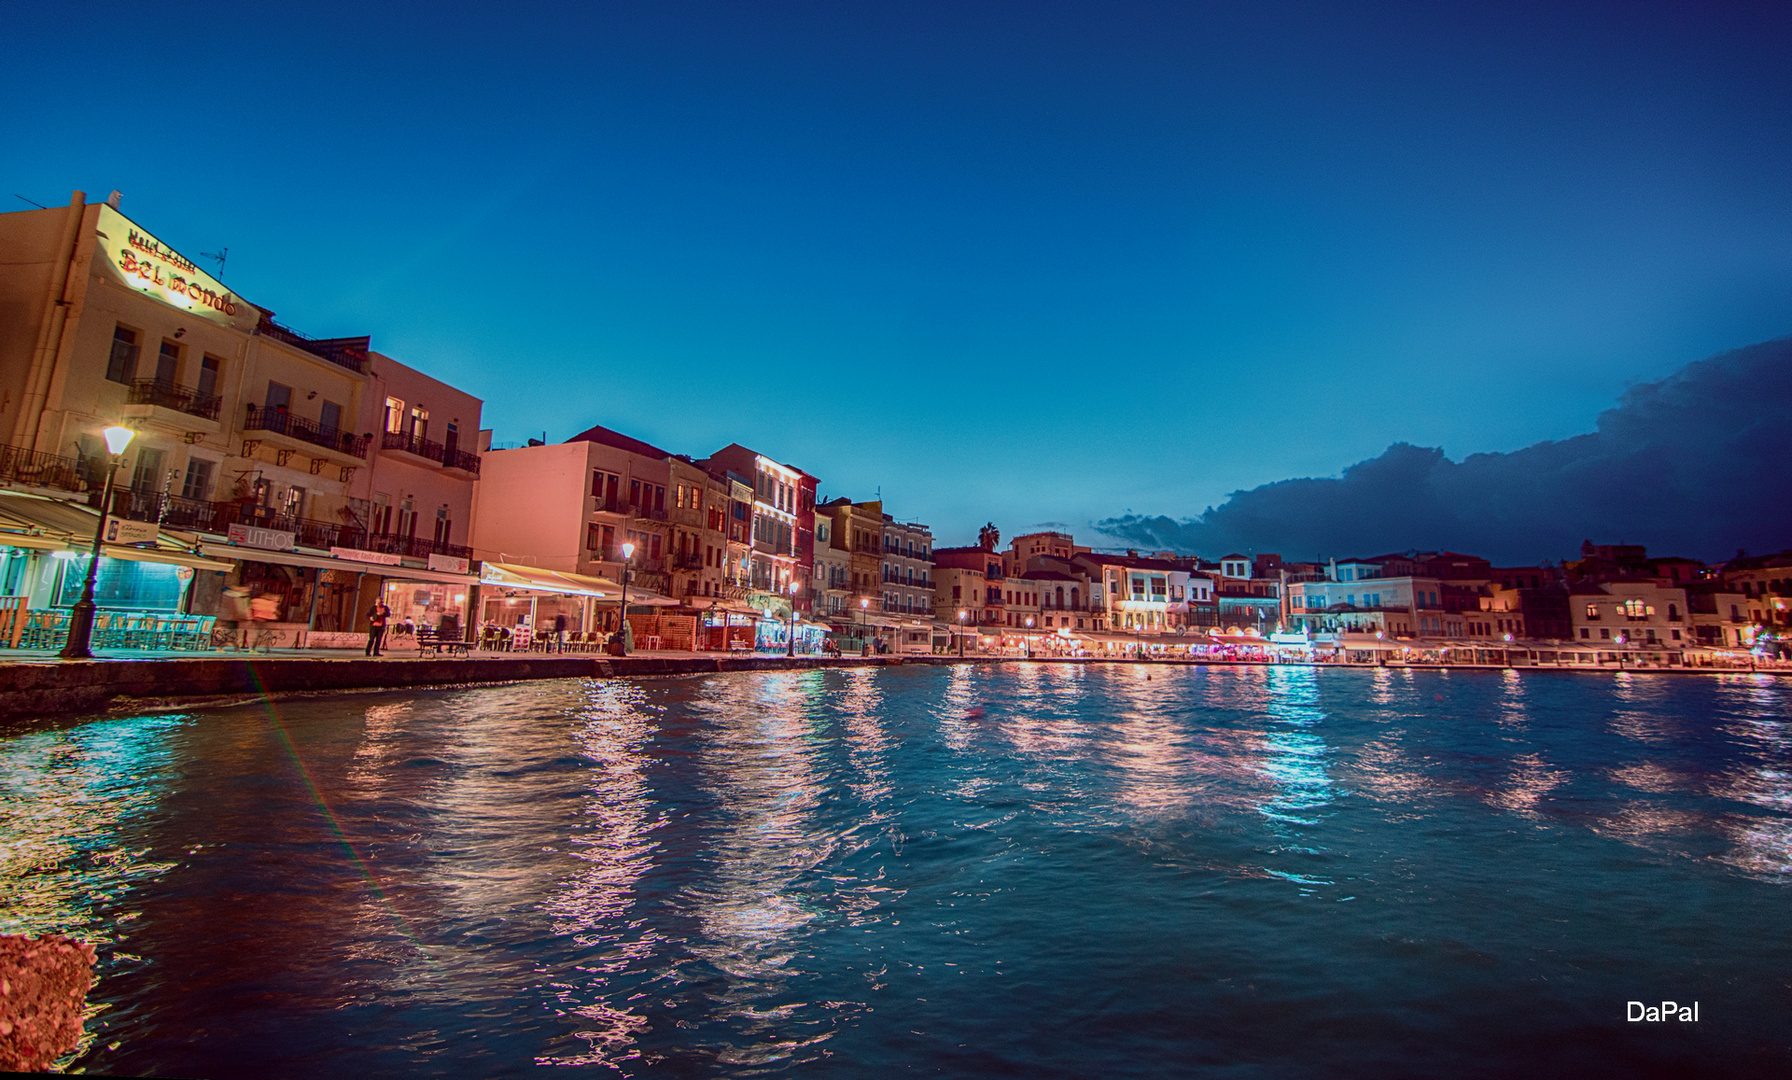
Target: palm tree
{"x": 989, "y": 536}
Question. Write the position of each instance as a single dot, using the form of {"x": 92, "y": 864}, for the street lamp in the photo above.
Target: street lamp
{"x": 623, "y": 635}
{"x": 790, "y": 649}
{"x": 80, "y": 623}
{"x": 1029, "y": 637}
{"x": 961, "y": 614}
{"x": 864, "y": 605}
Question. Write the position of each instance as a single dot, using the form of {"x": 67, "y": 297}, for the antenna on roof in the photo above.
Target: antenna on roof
{"x": 219, "y": 256}
{"x": 39, "y": 205}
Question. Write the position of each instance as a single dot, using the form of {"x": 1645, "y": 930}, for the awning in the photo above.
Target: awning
{"x": 703, "y": 606}
{"x": 34, "y": 541}
{"x": 535, "y": 579}
{"x": 324, "y": 562}
{"x": 646, "y": 598}
{"x": 158, "y": 555}
{"x": 32, "y": 521}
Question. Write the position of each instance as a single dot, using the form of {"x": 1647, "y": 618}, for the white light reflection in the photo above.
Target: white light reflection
{"x": 613, "y": 845}
{"x": 67, "y": 798}
{"x": 1296, "y": 762}
{"x": 759, "y": 757}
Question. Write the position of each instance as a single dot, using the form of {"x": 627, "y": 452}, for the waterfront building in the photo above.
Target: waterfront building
{"x": 1718, "y": 615}
{"x": 415, "y": 500}
{"x": 1630, "y": 613}
{"x": 696, "y": 545}
{"x": 1243, "y": 599}
{"x": 253, "y": 441}
{"x": 967, "y": 580}
{"x": 774, "y": 527}
{"x": 1023, "y": 549}
{"x": 1766, "y": 582}
{"x": 567, "y": 509}
{"x": 832, "y": 574}
{"x": 858, "y": 529}
{"x": 1142, "y": 595}
{"x": 907, "y": 568}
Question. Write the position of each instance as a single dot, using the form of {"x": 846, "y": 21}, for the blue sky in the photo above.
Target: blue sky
{"x": 1038, "y": 262}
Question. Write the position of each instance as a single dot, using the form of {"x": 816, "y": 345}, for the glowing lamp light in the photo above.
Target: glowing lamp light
{"x": 628, "y": 551}
{"x": 117, "y": 438}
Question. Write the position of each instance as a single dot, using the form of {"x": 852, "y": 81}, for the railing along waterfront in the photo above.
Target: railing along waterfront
{"x": 184, "y": 399}
{"x": 38, "y": 469}
{"x": 283, "y": 422}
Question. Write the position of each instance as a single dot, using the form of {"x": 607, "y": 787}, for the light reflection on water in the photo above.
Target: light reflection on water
{"x": 1036, "y": 869}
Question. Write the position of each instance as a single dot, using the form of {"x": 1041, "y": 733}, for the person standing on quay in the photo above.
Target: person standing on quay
{"x": 376, "y": 626}
{"x": 560, "y": 632}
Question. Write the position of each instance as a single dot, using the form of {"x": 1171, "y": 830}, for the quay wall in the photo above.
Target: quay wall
{"x": 51, "y": 688}
{"x": 61, "y": 687}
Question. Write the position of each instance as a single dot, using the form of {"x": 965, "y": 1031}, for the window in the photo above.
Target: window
{"x": 419, "y": 422}
{"x": 1605, "y": 633}
{"x": 956, "y": 591}
{"x": 121, "y": 366}
{"x": 209, "y": 368}
{"x": 167, "y": 363}
{"x": 198, "y": 484}
{"x": 148, "y": 475}
{"x": 1592, "y": 611}
{"x": 382, "y": 513}
{"x": 279, "y": 397}
{"x": 680, "y": 500}
{"x": 394, "y": 415}
{"x": 329, "y": 418}
{"x": 444, "y": 527}
{"x": 451, "y": 437}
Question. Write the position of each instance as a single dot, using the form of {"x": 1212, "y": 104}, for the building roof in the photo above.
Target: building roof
{"x": 1131, "y": 562}
{"x": 619, "y": 441}
{"x": 1045, "y": 575}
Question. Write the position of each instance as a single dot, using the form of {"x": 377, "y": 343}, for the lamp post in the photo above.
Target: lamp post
{"x": 622, "y": 632}
{"x": 80, "y": 623}
{"x": 961, "y": 614}
{"x": 1029, "y": 637}
{"x": 864, "y": 605}
{"x": 790, "y": 643}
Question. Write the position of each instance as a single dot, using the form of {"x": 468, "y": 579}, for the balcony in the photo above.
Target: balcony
{"x": 690, "y": 560}
{"x": 38, "y": 469}
{"x": 349, "y": 353}
{"x": 282, "y": 422}
{"x": 625, "y": 509}
{"x": 179, "y": 398}
{"x": 216, "y": 518}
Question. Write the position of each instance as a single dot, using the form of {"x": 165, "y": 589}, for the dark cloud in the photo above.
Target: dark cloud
{"x": 1696, "y": 464}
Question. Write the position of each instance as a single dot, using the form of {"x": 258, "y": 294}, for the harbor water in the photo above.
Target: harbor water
{"x": 1039, "y": 870}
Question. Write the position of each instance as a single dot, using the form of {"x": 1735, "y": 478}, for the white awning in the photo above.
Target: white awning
{"x": 535, "y": 579}
{"x": 324, "y": 562}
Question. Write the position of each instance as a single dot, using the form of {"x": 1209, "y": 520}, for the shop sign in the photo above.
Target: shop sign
{"x": 251, "y": 536}
{"x": 449, "y": 564}
{"x": 129, "y": 532}
{"x": 141, "y": 263}
{"x": 383, "y": 558}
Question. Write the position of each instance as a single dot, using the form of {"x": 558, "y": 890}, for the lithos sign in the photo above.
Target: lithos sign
{"x": 140, "y": 262}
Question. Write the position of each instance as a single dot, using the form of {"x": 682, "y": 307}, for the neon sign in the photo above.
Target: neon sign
{"x": 141, "y": 263}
